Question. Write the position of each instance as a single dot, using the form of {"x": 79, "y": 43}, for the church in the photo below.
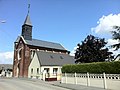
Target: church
{"x": 33, "y": 57}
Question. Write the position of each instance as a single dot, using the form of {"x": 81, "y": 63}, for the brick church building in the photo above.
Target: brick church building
{"x": 25, "y": 47}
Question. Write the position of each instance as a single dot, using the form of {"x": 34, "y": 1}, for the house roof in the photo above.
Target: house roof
{"x": 6, "y": 66}
{"x": 41, "y": 43}
{"x": 54, "y": 59}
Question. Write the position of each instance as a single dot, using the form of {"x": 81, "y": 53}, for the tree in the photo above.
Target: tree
{"x": 116, "y": 36}
{"x": 92, "y": 50}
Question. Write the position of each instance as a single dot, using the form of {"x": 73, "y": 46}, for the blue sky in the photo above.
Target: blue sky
{"x": 63, "y": 21}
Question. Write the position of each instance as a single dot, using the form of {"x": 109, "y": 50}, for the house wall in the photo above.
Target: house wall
{"x": 32, "y": 71}
{"x": 51, "y": 73}
{"x": 51, "y": 68}
{"x": 42, "y": 73}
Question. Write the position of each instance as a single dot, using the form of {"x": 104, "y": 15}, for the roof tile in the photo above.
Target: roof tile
{"x": 45, "y": 58}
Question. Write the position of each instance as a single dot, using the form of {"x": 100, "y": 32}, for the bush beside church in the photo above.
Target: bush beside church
{"x": 99, "y": 67}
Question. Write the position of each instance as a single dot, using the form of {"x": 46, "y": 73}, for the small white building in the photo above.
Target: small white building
{"x": 47, "y": 65}
{"x": 6, "y": 70}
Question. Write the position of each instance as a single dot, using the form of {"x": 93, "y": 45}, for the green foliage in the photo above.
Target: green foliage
{"x": 99, "y": 67}
{"x": 116, "y": 36}
{"x": 91, "y": 50}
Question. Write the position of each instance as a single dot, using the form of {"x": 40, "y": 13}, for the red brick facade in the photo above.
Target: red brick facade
{"x": 21, "y": 59}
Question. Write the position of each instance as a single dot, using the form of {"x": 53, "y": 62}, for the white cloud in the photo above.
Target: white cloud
{"x": 106, "y": 23}
{"x": 105, "y": 26}
{"x": 114, "y": 52}
{"x": 112, "y": 42}
{"x": 72, "y": 53}
{"x": 6, "y": 57}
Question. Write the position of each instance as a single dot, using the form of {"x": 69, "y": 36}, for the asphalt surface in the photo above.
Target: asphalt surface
{"x": 33, "y": 84}
{"x": 75, "y": 87}
{"x": 21, "y": 84}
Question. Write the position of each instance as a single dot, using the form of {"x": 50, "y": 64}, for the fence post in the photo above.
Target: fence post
{"x": 88, "y": 80}
{"x": 104, "y": 81}
{"x": 65, "y": 77}
{"x": 75, "y": 78}
{"x": 61, "y": 81}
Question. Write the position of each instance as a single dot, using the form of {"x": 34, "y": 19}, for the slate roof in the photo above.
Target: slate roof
{"x": 35, "y": 42}
{"x": 27, "y": 21}
{"x": 6, "y": 66}
{"x": 41, "y": 43}
{"x": 17, "y": 40}
{"x": 54, "y": 59}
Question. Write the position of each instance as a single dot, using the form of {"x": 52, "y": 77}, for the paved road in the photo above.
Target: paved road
{"x": 21, "y": 84}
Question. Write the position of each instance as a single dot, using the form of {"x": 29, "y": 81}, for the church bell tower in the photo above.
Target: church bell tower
{"x": 27, "y": 27}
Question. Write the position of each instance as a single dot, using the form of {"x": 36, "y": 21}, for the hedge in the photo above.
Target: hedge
{"x": 99, "y": 67}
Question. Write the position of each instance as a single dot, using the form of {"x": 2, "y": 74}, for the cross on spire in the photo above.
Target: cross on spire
{"x": 28, "y": 8}
{"x": 27, "y": 20}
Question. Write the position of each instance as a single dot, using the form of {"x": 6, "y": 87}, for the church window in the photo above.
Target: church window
{"x": 55, "y": 70}
{"x": 46, "y": 70}
{"x": 31, "y": 70}
{"x": 19, "y": 54}
{"x": 37, "y": 70}
{"x": 32, "y": 54}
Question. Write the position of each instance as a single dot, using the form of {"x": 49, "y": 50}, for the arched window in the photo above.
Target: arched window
{"x": 19, "y": 54}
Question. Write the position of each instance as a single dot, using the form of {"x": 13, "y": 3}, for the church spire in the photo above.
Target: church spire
{"x": 27, "y": 27}
{"x": 27, "y": 20}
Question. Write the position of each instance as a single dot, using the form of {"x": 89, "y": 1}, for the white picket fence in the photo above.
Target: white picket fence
{"x": 106, "y": 81}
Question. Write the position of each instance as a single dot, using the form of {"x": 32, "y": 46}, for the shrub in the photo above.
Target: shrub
{"x": 99, "y": 67}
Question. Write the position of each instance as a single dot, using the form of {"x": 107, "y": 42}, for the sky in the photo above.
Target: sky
{"x": 67, "y": 22}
